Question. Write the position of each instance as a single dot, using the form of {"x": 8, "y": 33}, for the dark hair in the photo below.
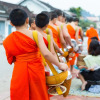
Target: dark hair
{"x": 18, "y": 17}
{"x": 93, "y": 48}
{"x": 41, "y": 20}
{"x": 69, "y": 19}
{"x": 97, "y": 52}
{"x": 59, "y": 12}
{"x": 53, "y": 15}
{"x": 47, "y": 13}
{"x": 64, "y": 15}
{"x": 75, "y": 19}
{"x": 31, "y": 20}
{"x": 94, "y": 38}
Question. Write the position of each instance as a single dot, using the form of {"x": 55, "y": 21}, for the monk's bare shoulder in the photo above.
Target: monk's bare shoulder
{"x": 30, "y": 33}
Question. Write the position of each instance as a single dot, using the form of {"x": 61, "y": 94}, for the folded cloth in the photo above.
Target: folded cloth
{"x": 92, "y": 61}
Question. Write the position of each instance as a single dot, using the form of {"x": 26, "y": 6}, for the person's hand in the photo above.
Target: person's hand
{"x": 63, "y": 66}
{"x": 61, "y": 59}
{"x": 72, "y": 45}
{"x": 91, "y": 69}
{"x": 61, "y": 52}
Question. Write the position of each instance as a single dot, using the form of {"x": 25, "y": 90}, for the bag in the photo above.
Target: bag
{"x": 80, "y": 61}
{"x": 57, "y": 78}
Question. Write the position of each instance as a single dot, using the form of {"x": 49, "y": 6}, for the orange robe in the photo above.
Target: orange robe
{"x": 28, "y": 79}
{"x": 55, "y": 36}
{"x": 91, "y": 33}
{"x": 79, "y": 34}
{"x": 71, "y": 32}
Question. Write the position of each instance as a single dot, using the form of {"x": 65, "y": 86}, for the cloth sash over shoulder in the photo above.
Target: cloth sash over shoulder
{"x": 57, "y": 78}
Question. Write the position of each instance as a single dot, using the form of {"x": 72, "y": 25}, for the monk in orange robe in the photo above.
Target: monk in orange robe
{"x": 32, "y": 24}
{"x": 73, "y": 31}
{"x": 91, "y": 33}
{"x": 28, "y": 79}
{"x": 57, "y": 33}
{"x": 65, "y": 33}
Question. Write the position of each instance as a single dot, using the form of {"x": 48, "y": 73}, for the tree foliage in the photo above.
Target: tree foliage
{"x": 83, "y": 23}
{"x": 76, "y": 11}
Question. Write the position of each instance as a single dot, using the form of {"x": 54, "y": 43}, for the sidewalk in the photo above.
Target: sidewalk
{"x": 68, "y": 97}
{"x": 73, "y": 98}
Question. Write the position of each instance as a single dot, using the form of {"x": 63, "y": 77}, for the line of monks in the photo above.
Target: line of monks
{"x": 28, "y": 78}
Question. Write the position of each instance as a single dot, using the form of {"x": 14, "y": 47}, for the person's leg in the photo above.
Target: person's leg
{"x": 83, "y": 82}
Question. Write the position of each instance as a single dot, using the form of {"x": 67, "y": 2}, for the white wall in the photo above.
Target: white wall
{"x": 35, "y": 6}
{"x": 7, "y": 23}
{"x": 6, "y": 26}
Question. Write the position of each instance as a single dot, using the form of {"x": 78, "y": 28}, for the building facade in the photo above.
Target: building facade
{"x": 5, "y": 9}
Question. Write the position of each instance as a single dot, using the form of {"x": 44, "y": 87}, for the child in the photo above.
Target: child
{"x": 32, "y": 24}
{"x": 28, "y": 79}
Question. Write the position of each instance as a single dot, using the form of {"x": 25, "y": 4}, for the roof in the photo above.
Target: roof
{"x": 51, "y": 7}
{"x": 3, "y": 12}
{"x": 8, "y": 7}
{"x": 46, "y": 4}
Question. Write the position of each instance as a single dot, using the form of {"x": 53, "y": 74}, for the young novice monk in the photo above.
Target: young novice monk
{"x": 32, "y": 23}
{"x": 28, "y": 79}
{"x": 56, "y": 30}
{"x": 63, "y": 27}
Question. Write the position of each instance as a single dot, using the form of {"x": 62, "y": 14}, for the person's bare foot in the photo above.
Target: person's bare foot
{"x": 83, "y": 85}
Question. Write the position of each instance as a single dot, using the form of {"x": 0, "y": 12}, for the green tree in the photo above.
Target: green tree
{"x": 85, "y": 24}
{"x": 76, "y": 11}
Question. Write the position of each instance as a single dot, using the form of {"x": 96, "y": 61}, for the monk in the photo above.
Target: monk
{"x": 73, "y": 30}
{"x": 56, "y": 30}
{"x": 51, "y": 34}
{"x": 64, "y": 18}
{"x": 28, "y": 79}
{"x": 32, "y": 23}
{"x": 79, "y": 34}
{"x": 63, "y": 27}
{"x": 69, "y": 19}
{"x": 91, "y": 33}
{"x": 39, "y": 27}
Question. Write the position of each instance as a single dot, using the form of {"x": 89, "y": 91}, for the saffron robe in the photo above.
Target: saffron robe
{"x": 28, "y": 78}
{"x": 56, "y": 35}
{"x": 72, "y": 33}
{"x": 91, "y": 33}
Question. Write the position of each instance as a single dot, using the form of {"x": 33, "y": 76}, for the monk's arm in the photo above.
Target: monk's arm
{"x": 10, "y": 58}
{"x": 48, "y": 55}
{"x": 63, "y": 42}
{"x": 76, "y": 35}
{"x": 66, "y": 36}
{"x": 52, "y": 47}
{"x": 81, "y": 35}
{"x": 55, "y": 45}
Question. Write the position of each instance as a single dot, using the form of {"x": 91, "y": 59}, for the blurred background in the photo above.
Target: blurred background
{"x": 88, "y": 11}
